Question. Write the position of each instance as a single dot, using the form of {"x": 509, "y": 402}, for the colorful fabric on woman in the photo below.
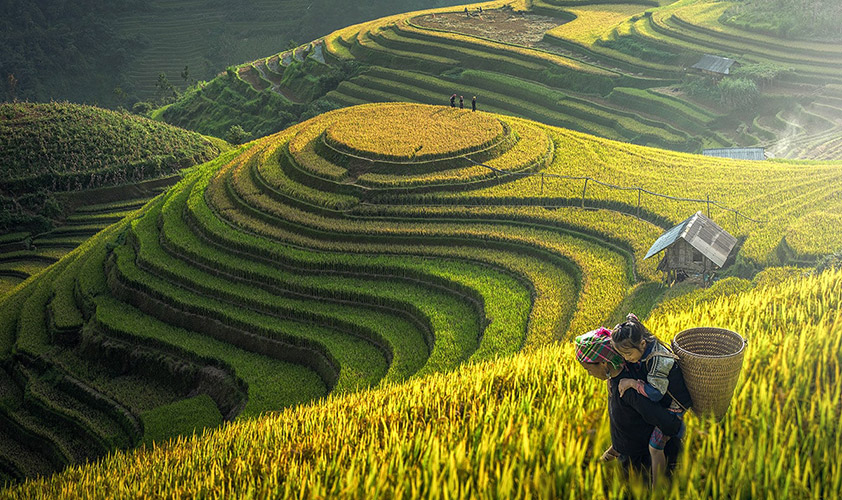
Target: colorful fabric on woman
{"x": 658, "y": 440}
{"x": 595, "y": 347}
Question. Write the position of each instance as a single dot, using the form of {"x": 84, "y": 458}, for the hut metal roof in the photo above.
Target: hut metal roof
{"x": 737, "y": 153}
{"x": 715, "y": 64}
{"x": 702, "y": 234}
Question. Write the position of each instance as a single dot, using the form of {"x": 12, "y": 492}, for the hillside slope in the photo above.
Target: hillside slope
{"x": 82, "y": 169}
{"x": 367, "y": 246}
{"x": 111, "y": 53}
{"x": 63, "y": 147}
{"x": 531, "y": 425}
{"x": 620, "y": 71}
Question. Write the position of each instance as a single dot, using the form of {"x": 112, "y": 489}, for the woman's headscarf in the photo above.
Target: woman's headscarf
{"x": 595, "y": 347}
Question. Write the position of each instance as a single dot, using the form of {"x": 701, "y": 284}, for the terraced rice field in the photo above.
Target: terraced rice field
{"x": 610, "y": 69}
{"x": 482, "y": 430}
{"x": 168, "y": 32}
{"x": 24, "y": 255}
{"x": 325, "y": 260}
{"x": 247, "y": 283}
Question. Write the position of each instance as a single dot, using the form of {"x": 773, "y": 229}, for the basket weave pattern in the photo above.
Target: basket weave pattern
{"x": 710, "y": 360}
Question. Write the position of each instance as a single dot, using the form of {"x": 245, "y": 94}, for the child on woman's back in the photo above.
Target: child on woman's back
{"x": 664, "y": 382}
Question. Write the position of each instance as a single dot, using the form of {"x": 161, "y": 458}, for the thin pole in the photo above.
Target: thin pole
{"x": 638, "y": 202}
{"x": 708, "y": 206}
{"x": 584, "y": 191}
{"x": 542, "y": 183}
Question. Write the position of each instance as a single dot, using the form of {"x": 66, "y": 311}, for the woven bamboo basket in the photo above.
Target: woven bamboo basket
{"x": 710, "y": 360}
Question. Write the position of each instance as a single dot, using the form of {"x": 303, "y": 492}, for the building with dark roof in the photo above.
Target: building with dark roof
{"x": 715, "y": 65}
{"x": 737, "y": 153}
{"x": 694, "y": 248}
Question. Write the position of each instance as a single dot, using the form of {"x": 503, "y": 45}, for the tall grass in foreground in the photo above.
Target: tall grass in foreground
{"x": 530, "y": 425}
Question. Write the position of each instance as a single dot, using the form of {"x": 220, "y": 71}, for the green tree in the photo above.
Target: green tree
{"x": 142, "y": 108}
{"x": 12, "y": 87}
{"x": 165, "y": 91}
{"x": 763, "y": 74}
{"x": 120, "y": 94}
{"x": 236, "y": 135}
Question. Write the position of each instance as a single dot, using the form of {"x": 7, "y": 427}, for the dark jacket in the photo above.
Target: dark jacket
{"x": 633, "y": 418}
{"x": 665, "y": 369}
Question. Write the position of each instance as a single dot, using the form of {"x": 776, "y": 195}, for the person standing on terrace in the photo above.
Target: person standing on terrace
{"x": 453, "y": 101}
{"x": 474, "y": 104}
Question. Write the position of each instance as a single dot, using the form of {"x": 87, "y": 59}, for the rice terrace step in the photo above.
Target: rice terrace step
{"x": 372, "y": 291}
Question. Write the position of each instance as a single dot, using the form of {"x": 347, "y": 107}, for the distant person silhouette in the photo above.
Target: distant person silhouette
{"x": 461, "y": 103}
{"x": 453, "y": 101}
{"x": 474, "y": 104}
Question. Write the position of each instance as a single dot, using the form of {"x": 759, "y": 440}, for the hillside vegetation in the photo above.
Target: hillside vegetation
{"x": 530, "y": 425}
{"x": 324, "y": 260}
{"x": 62, "y": 146}
{"x": 795, "y": 19}
{"x": 617, "y": 70}
{"x": 59, "y": 147}
{"x": 112, "y": 53}
{"x": 70, "y": 171}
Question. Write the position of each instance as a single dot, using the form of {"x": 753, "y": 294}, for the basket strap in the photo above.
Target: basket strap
{"x": 668, "y": 354}
{"x": 676, "y": 400}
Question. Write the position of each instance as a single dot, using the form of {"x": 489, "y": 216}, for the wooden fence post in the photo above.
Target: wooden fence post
{"x": 639, "y": 190}
{"x": 584, "y": 191}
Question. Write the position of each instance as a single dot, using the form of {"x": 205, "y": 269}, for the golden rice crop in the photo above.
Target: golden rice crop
{"x": 413, "y": 131}
{"x": 594, "y": 21}
{"x": 533, "y": 150}
{"x": 775, "y": 193}
{"x": 816, "y": 233}
{"x": 532, "y": 425}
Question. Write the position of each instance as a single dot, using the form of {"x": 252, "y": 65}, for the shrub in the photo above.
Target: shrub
{"x": 236, "y": 135}
{"x": 740, "y": 93}
{"x": 142, "y": 108}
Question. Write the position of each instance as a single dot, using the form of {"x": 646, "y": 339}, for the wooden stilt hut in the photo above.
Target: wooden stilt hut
{"x": 694, "y": 249}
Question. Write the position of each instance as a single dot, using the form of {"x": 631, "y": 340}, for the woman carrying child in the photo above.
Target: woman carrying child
{"x": 632, "y": 417}
{"x": 656, "y": 376}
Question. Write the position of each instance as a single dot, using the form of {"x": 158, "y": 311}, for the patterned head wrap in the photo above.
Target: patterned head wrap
{"x": 595, "y": 347}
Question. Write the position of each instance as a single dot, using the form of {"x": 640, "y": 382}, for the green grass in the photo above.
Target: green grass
{"x": 640, "y": 301}
{"x": 424, "y": 302}
{"x": 14, "y": 237}
{"x": 268, "y": 379}
{"x": 361, "y": 363}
